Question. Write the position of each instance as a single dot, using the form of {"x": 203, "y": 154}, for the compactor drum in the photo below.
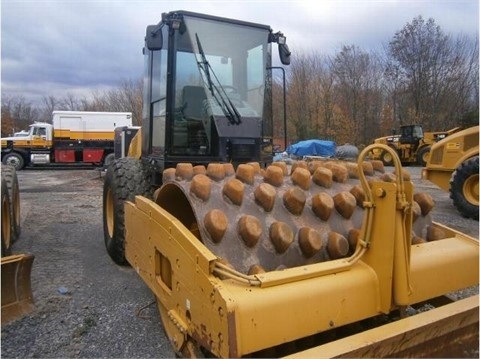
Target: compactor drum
{"x": 260, "y": 220}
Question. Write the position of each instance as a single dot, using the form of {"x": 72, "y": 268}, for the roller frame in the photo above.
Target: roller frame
{"x": 232, "y": 318}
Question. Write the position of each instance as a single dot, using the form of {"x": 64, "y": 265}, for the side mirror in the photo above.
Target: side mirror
{"x": 284, "y": 54}
{"x": 153, "y": 37}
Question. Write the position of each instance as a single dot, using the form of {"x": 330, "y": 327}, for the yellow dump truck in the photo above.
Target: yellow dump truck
{"x": 453, "y": 166}
{"x": 251, "y": 259}
{"x": 17, "y": 298}
{"x": 412, "y": 145}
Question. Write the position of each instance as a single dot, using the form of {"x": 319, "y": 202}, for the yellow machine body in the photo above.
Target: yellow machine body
{"x": 448, "y": 154}
{"x": 203, "y": 300}
{"x": 17, "y": 297}
{"x": 453, "y": 166}
{"x": 445, "y": 332}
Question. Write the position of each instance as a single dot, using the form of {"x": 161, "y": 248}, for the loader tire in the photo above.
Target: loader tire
{"x": 11, "y": 180}
{"x": 464, "y": 188}
{"x": 125, "y": 179}
{"x": 108, "y": 160}
{"x": 6, "y": 221}
{"x": 422, "y": 156}
{"x": 386, "y": 158}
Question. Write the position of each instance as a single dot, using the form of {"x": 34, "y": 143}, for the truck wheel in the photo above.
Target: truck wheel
{"x": 422, "y": 156}
{"x": 6, "y": 221}
{"x": 15, "y": 160}
{"x": 464, "y": 188}
{"x": 125, "y": 179}
{"x": 108, "y": 160}
{"x": 10, "y": 175}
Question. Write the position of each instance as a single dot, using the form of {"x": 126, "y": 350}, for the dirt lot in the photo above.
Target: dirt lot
{"x": 86, "y": 306}
{"x": 97, "y": 317}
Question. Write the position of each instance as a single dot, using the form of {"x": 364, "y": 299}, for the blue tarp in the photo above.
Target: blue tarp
{"x": 312, "y": 148}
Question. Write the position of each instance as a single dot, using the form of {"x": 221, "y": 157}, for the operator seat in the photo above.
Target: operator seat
{"x": 198, "y": 121}
{"x": 193, "y": 101}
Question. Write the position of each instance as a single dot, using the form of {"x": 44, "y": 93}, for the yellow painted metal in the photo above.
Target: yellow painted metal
{"x": 41, "y": 142}
{"x": 428, "y": 334}
{"x": 109, "y": 212}
{"x": 17, "y": 297}
{"x": 36, "y": 142}
{"x": 441, "y": 177}
{"x": 448, "y": 154}
{"x": 135, "y": 148}
{"x": 443, "y": 266}
{"x": 470, "y": 189}
{"x": 83, "y": 135}
{"x": 231, "y": 314}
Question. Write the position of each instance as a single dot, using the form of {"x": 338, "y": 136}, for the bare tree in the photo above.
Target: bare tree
{"x": 126, "y": 98}
{"x": 50, "y": 104}
{"x": 300, "y": 88}
{"x": 434, "y": 76}
{"x": 358, "y": 86}
{"x": 17, "y": 114}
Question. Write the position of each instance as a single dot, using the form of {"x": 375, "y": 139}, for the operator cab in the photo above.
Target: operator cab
{"x": 207, "y": 90}
{"x": 411, "y": 135}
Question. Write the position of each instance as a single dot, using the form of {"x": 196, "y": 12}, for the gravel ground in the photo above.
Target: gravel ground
{"x": 61, "y": 218}
{"x": 86, "y": 306}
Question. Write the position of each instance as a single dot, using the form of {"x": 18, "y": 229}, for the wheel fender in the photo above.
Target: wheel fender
{"x": 24, "y": 153}
{"x": 469, "y": 154}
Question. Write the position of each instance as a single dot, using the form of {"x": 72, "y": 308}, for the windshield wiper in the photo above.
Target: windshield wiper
{"x": 226, "y": 105}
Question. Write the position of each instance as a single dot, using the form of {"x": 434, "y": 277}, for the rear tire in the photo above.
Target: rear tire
{"x": 10, "y": 175}
{"x": 464, "y": 188}
{"x": 422, "y": 156}
{"x": 6, "y": 221}
{"x": 125, "y": 178}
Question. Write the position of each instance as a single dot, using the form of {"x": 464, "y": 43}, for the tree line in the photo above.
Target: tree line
{"x": 422, "y": 76}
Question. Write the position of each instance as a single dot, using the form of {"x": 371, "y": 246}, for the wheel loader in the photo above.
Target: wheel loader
{"x": 17, "y": 298}
{"x": 412, "y": 145}
{"x": 453, "y": 166}
{"x": 248, "y": 258}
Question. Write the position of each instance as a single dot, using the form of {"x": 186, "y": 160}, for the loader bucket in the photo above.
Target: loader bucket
{"x": 17, "y": 298}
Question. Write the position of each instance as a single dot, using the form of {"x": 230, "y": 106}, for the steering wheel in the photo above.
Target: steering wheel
{"x": 233, "y": 94}
{"x": 230, "y": 89}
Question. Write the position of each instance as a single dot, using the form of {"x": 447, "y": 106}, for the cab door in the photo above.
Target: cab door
{"x": 41, "y": 137}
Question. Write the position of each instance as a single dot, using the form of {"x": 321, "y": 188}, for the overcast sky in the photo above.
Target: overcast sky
{"x": 51, "y": 48}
